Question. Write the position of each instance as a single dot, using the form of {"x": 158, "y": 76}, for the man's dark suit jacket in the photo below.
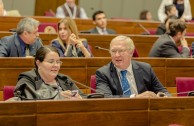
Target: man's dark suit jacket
{"x": 95, "y": 31}
{"x": 165, "y": 47}
{"x": 10, "y": 47}
{"x": 107, "y": 80}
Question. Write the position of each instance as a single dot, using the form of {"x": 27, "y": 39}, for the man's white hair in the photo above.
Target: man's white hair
{"x": 127, "y": 39}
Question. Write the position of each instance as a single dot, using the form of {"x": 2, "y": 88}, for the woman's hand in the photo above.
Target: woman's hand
{"x": 73, "y": 39}
{"x": 71, "y": 94}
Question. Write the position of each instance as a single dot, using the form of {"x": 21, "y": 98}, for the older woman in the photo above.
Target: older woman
{"x": 68, "y": 43}
{"x": 44, "y": 82}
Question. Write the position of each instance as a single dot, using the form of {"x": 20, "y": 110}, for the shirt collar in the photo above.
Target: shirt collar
{"x": 129, "y": 69}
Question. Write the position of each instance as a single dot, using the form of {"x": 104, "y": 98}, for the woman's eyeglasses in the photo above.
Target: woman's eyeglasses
{"x": 53, "y": 62}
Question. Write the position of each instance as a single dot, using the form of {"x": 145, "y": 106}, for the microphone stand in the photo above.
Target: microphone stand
{"x": 93, "y": 95}
{"x": 98, "y": 47}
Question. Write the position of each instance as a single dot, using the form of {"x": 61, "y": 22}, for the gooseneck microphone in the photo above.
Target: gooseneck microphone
{"x": 145, "y": 29}
{"x": 98, "y": 47}
{"x": 93, "y": 95}
{"x": 189, "y": 93}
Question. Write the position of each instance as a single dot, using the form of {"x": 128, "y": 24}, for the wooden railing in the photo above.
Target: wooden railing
{"x": 99, "y": 112}
{"x": 142, "y": 43}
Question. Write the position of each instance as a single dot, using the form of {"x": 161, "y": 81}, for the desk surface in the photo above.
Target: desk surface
{"x": 103, "y": 112}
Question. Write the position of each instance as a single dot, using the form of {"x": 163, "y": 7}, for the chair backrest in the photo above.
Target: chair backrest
{"x": 184, "y": 84}
{"x": 152, "y": 31}
{"x": 8, "y": 92}
{"x": 47, "y": 27}
{"x": 49, "y": 13}
{"x": 93, "y": 83}
{"x": 180, "y": 48}
{"x": 135, "y": 53}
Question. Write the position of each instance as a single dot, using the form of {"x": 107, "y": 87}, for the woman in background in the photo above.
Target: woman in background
{"x": 145, "y": 15}
{"x": 183, "y": 7}
{"x": 68, "y": 42}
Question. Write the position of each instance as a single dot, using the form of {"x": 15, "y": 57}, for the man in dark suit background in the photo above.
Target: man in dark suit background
{"x": 166, "y": 45}
{"x": 140, "y": 76}
{"x": 24, "y": 43}
{"x": 99, "y": 19}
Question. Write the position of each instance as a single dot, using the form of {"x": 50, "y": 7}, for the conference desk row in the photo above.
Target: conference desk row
{"x": 120, "y": 26}
{"x": 81, "y": 69}
{"x": 99, "y": 112}
{"x": 143, "y": 43}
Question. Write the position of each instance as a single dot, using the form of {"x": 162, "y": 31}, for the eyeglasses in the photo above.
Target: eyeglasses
{"x": 53, "y": 62}
{"x": 120, "y": 51}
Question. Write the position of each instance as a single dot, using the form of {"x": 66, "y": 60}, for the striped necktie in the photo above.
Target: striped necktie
{"x": 125, "y": 84}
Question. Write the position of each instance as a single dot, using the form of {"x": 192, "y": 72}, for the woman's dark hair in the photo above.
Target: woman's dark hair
{"x": 42, "y": 52}
{"x": 143, "y": 15}
{"x": 168, "y": 8}
{"x": 176, "y": 26}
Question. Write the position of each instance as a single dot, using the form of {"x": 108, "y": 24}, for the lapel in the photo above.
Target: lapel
{"x": 18, "y": 46}
{"x": 138, "y": 76}
{"x": 64, "y": 82}
{"x": 116, "y": 82}
{"x": 168, "y": 37}
{"x": 31, "y": 49}
{"x": 96, "y": 31}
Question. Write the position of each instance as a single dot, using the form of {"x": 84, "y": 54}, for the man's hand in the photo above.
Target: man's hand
{"x": 146, "y": 94}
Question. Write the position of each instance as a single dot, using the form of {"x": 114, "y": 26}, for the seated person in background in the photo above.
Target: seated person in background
{"x": 192, "y": 48}
{"x": 3, "y": 12}
{"x": 166, "y": 45}
{"x": 24, "y": 42}
{"x": 99, "y": 19}
{"x": 183, "y": 7}
{"x": 163, "y": 27}
{"x": 44, "y": 81}
{"x": 68, "y": 43}
{"x": 127, "y": 77}
{"x": 69, "y": 9}
{"x": 170, "y": 10}
{"x": 145, "y": 15}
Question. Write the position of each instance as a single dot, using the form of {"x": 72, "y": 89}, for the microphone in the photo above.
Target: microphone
{"x": 85, "y": 32}
{"x": 93, "y": 95}
{"x": 145, "y": 29}
{"x": 98, "y": 47}
{"x": 189, "y": 93}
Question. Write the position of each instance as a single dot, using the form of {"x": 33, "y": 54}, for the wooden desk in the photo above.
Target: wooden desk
{"x": 143, "y": 43}
{"x": 121, "y": 27}
{"x": 99, "y": 112}
{"x": 163, "y": 112}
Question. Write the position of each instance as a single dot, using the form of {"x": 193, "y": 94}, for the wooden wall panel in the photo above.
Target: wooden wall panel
{"x": 43, "y": 5}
